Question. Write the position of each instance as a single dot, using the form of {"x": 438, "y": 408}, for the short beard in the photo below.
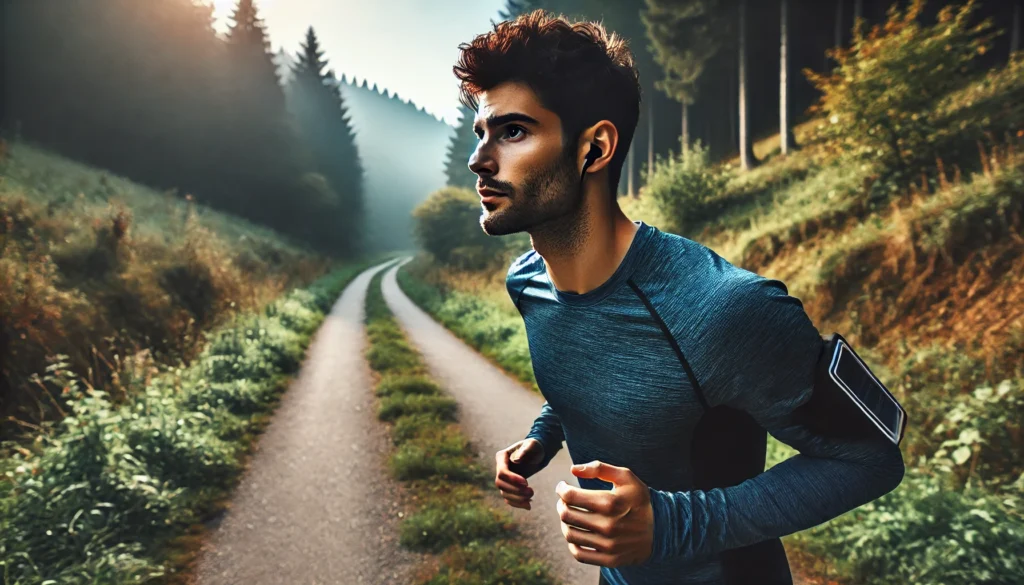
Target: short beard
{"x": 549, "y": 205}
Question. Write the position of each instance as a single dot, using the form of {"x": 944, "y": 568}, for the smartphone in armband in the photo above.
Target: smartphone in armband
{"x": 848, "y": 400}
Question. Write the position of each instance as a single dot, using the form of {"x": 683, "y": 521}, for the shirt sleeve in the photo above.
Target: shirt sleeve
{"x": 762, "y": 351}
{"x": 547, "y": 429}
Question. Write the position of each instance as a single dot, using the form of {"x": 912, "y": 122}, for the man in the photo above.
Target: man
{"x": 661, "y": 363}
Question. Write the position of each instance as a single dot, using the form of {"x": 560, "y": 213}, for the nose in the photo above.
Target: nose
{"x": 481, "y": 163}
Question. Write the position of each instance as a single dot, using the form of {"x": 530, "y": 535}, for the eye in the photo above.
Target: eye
{"x": 511, "y": 127}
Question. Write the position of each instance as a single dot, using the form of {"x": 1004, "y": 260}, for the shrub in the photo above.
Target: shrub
{"x": 881, "y": 99}
{"x": 686, "y": 188}
{"x": 448, "y": 226}
{"x": 925, "y": 532}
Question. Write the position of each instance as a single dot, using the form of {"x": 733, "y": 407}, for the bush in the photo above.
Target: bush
{"x": 925, "y": 532}
{"x": 686, "y": 188}
{"x": 448, "y": 226}
{"x": 881, "y": 100}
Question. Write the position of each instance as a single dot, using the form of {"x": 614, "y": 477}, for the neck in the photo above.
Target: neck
{"x": 582, "y": 250}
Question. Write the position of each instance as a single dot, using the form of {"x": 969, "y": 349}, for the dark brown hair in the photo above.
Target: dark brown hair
{"x": 578, "y": 70}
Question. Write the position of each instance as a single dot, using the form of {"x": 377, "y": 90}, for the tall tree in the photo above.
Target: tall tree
{"x": 264, "y": 154}
{"x": 683, "y": 38}
{"x": 459, "y": 150}
{"x": 315, "y": 101}
{"x": 1015, "y": 34}
{"x": 785, "y": 133}
{"x": 747, "y": 160}
{"x": 514, "y": 8}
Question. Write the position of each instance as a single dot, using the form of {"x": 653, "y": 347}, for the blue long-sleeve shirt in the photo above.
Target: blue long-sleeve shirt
{"x": 675, "y": 367}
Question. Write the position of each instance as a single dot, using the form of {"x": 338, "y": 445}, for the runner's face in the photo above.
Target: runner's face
{"x": 520, "y": 155}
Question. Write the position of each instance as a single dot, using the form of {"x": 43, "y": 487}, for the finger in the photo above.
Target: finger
{"x": 598, "y": 501}
{"x": 583, "y": 519}
{"x": 513, "y": 488}
{"x": 515, "y": 496}
{"x": 588, "y": 539}
{"x": 512, "y": 478}
{"x": 592, "y": 557}
{"x": 524, "y": 505}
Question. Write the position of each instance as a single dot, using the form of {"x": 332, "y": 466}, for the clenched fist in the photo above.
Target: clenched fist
{"x": 514, "y": 464}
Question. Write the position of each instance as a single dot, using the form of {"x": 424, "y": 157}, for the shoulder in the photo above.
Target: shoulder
{"x": 521, "y": 270}
{"x": 704, "y": 297}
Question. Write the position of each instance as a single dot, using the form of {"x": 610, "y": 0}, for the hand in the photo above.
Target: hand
{"x": 514, "y": 464}
{"x": 618, "y": 524}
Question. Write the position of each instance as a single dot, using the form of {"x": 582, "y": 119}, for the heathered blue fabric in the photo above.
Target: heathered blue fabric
{"x": 616, "y": 391}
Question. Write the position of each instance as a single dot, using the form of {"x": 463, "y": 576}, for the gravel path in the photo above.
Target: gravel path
{"x": 495, "y": 411}
{"x": 316, "y": 505}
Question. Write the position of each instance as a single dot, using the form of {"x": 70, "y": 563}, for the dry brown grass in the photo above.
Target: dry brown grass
{"x": 117, "y": 278}
{"x": 944, "y": 264}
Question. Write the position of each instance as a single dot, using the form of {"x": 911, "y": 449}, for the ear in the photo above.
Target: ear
{"x": 606, "y": 137}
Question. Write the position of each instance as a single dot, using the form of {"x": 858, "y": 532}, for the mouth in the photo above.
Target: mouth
{"x": 489, "y": 196}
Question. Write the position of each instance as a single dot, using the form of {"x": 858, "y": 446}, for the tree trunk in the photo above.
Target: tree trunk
{"x": 746, "y": 154}
{"x": 783, "y": 104}
{"x": 839, "y": 23}
{"x": 650, "y": 142}
{"x": 686, "y": 128}
{"x": 629, "y": 171}
{"x": 1015, "y": 35}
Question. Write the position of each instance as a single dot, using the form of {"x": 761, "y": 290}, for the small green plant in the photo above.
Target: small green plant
{"x": 687, "y": 188}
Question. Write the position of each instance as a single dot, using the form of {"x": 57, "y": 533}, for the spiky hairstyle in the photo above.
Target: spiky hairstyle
{"x": 579, "y": 71}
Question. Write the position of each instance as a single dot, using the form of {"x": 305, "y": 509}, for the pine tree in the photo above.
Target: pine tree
{"x": 684, "y": 37}
{"x": 459, "y": 150}
{"x": 316, "y": 102}
{"x": 514, "y": 8}
{"x": 264, "y": 154}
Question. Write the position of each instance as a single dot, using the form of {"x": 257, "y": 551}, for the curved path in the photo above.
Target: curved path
{"x": 495, "y": 410}
{"x": 316, "y": 505}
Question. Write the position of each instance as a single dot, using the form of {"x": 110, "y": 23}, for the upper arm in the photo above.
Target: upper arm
{"x": 764, "y": 351}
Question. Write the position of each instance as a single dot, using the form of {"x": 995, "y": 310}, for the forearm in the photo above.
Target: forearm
{"x": 799, "y": 493}
{"x": 548, "y": 430}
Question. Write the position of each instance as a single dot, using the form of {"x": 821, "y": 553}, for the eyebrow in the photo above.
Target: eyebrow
{"x": 493, "y": 121}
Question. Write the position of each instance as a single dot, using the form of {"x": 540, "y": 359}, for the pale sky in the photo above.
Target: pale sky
{"x": 407, "y": 46}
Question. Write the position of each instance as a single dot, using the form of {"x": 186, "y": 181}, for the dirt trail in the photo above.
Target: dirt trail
{"x": 316, "y": 505}
{"x": 495, "y": 411}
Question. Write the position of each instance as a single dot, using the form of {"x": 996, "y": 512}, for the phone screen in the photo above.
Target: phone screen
{"x": 866, "y": 389}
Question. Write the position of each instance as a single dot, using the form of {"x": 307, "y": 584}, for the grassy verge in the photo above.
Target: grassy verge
{"x": 96, "y": 267}
{"x": 475, "y": 543}
{"x": 118, "y": 493}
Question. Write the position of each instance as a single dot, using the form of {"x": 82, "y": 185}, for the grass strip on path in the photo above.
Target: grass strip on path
{"x": 474, "y": 543}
